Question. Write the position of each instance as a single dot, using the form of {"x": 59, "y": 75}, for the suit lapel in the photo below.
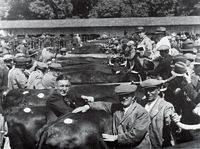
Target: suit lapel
{"x": 155, "y": 109}
{"x": 129, "y": 111}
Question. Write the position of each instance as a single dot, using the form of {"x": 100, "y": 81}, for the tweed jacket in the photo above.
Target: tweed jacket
{"x": 132, "y": 127}
{"x": 161, "y": 115}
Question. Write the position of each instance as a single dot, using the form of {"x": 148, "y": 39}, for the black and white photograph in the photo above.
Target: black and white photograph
{"x": 99, "y": 74}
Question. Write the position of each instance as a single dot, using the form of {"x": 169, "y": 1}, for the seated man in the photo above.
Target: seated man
{"x": 130, "y": 120}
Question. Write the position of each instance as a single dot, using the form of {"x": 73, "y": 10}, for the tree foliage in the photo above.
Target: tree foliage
{"x": 161, "y": 8}
{"x": 4, "y": 8}
{"x": 120, "y": 8}
{"x": 134, "y": 8}
{"x": 51, "y": 9}
{"x": 18, "y": 10}
{"x": 188, "y": 7}
{"x": 62, "y": 9}
{"x": 82, "y": 8}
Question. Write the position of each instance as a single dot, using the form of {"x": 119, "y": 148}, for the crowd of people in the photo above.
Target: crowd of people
{"x": 169, "y": 66}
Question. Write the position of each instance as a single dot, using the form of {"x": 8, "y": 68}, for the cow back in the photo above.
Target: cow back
{"x": 76, "y": 131}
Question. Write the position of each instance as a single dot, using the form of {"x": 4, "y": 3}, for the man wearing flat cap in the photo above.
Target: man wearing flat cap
{"x": 130, "y": 120}
{"x": 162, "y": 113}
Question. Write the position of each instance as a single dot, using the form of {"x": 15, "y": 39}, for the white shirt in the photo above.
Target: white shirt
{"x": 150, "y": 105}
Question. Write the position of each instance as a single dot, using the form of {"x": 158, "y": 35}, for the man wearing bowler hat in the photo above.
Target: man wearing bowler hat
{"x": 130, "y": 120}
{"x": 162, "y": 113}
{"x": 192, "y": 88}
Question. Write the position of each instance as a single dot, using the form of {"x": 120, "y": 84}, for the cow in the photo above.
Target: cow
{"x": 76, "y": 131}
{"x": 87, "y": 48}
{"x": 25, "y": 111}
{"x": 92, "y": 70}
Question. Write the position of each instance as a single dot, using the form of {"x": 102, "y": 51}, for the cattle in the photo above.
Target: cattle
{"x": 25, "y": 110}
{"x": 88, "y": 70}
{"x": 76, "y": 131}
{"x": 87, "y": 48}
{"x": 92, "y": 70}
{"x": 23, "y": 123}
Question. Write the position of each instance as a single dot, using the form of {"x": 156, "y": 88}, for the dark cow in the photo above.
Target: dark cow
{"x": 23, "y": 123}
{"x": 76, "y": 131}
{"x": 87, "y": 70}
{"x": 25, "y": 111}
{"x": 25, "y": 96}
{"x": 90, "y": 48}
{"x": 91, "y": 70}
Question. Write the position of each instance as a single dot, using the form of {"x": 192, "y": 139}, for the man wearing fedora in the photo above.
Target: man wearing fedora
{"x": 162, "y": 114}
{"x": 188, "y": 49}
{"x": 180, "y": 79}
{"x": 145, "y": 41}
{"x": 182, "y": 94}
{"x": 164, "y": 63}
{"x": 130, "y": 120}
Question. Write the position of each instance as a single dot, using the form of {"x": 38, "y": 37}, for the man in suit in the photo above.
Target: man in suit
{"x": 161, "y": 112}
{"x": 130, "y": 120}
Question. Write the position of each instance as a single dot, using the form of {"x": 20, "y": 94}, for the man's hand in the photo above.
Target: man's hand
{"x": 88, "y": 98}
{"x": 110, "y": 138}
{"x": 82, "y": 109}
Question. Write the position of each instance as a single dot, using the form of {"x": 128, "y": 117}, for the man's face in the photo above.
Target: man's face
{"x": 55, "y": 73}
{"x": 141, "y": 35}
{"x": 63, "y": 87}
{"x": 197, "y": 69}
{"x": 8, "y": 63}
{"x": 126, "y": 100}
{"x": 152, "y": 93}
{"x": 163, "y": 53}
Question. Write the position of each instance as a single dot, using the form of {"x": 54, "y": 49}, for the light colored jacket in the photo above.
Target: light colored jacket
{"x": 132, "y": 127}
